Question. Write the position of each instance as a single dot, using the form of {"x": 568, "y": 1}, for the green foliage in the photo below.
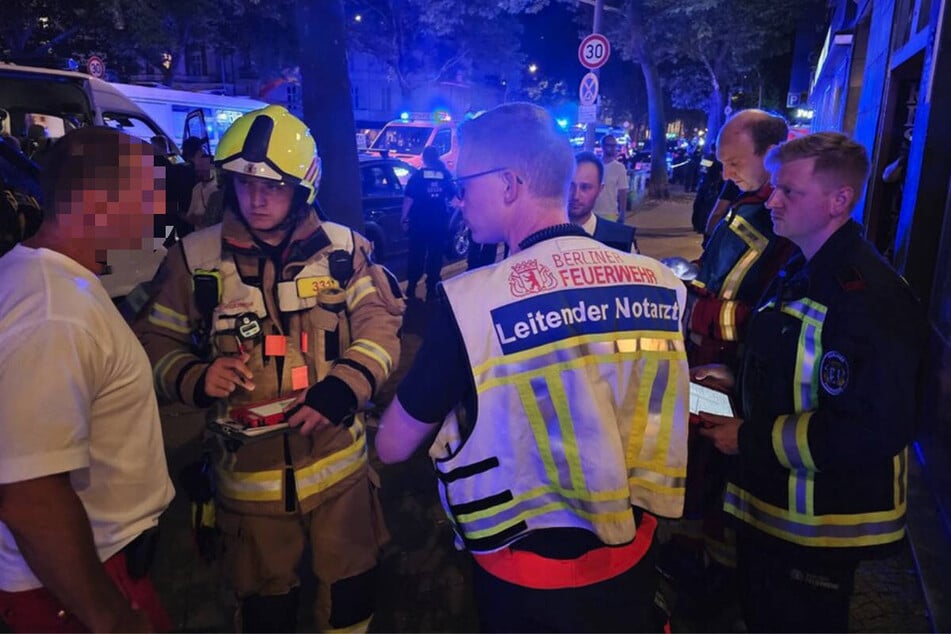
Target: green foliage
{"x": 427, "y": 40}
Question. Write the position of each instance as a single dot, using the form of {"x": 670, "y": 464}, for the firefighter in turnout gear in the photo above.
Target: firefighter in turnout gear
{"x": 275, "y": 301}
{"x": 829, "y": 392}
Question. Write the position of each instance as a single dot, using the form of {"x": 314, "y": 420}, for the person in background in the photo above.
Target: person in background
{"x": 829, "y": 397}
{"x": 426, "y": 219}
{"x": 83, "y": 478}
{"x": 182, "y": 179}
{"x": 743, "y": 254}
{"x": 206, "y": 205}
{"x": 534, "y": 378}
{"x": 739, "y": 261}
{"x": 612, "y": 201}
{"x": 586, "y": 185}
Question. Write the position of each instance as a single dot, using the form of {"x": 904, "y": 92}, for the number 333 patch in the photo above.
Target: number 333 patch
{"x": 834, "y": 372}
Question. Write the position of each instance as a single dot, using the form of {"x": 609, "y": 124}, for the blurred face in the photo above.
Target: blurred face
{"x": 113, "y": 206}
{"x": 609, "y": 149}
{"x": 202, "y": 164}
{"x": 741, "y": 164}
{"x": 264, "y": 203}
{"x": 802, "y": 207}
{"x": 479, "y": 190}
{"x": 585, "y": 187}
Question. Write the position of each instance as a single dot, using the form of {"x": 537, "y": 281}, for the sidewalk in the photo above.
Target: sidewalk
{"x": 424, "y": 582}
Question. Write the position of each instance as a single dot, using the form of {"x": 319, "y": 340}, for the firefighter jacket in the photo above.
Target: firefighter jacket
{"x": 829, "y": 395}
{"x": 578, "y": 363}
{"x": 738, "y": 264}
{"x": 315, "y": 331}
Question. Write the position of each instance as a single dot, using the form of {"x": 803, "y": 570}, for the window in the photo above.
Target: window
{"x": 195, "y": 64}
{"x": 443, "y": 141}
{"x": 378, "y": 180}
{"x": 130, "y": 125}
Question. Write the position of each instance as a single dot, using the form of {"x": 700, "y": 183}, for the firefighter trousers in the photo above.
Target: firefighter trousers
{"x": 261, "y": 554}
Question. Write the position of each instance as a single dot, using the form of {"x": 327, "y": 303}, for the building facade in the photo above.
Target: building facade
{"x": 882, "y": 76}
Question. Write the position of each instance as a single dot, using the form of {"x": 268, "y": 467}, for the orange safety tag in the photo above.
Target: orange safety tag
{"x": 303, "y": 343}
{"x": 299, "y": 380}
{"x": 275, "y": 345}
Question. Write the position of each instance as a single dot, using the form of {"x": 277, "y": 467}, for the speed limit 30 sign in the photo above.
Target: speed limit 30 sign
{"x": 594, "y": 51}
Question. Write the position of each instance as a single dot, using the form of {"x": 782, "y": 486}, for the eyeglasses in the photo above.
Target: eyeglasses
{"x": 459, "y": 180}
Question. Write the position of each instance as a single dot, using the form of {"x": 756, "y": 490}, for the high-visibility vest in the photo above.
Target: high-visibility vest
{"x": 577, "y": 357}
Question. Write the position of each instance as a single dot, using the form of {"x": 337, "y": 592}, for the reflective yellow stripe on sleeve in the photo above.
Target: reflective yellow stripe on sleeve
{"x": 165, "y": 317}
{"x": 358, "y": 290}
{"x": 162, "y": 368}
{"x": 375, "y": 351}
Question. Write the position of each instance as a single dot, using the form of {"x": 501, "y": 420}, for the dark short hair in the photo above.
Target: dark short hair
{"x": 839, "y": 159}
{"x": 190, "y": 146}
{"x": 90, "y": 156}
{"x": 431, "y": 156}
{"x": 608, "y": 136}
{"x": 591, "y": 157}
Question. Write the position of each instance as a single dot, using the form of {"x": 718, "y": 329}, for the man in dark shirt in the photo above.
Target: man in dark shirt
{"x": 426, "y": 219}
{"x": 555, "y": 382}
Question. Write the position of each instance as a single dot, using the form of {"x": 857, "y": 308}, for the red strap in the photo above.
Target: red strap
{"x": 529, "y": 570}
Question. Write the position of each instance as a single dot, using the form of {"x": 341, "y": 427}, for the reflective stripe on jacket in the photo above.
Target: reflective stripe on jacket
{"x": 829, "y": 396}
{"x": 738, "y": 264}
{"x": 318, "y": 330}
{"x": 581, "y": 379}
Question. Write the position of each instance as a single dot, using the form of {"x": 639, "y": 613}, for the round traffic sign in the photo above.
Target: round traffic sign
{"x": 588, "y": 90}
{"x": 594, "y": 51}
{"x": 96, "y": 67}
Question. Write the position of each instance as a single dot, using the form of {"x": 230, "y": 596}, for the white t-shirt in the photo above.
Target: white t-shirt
{"x": 615, "y": 179}
{"x": 76, "y": 396}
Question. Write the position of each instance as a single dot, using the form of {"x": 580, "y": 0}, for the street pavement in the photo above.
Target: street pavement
{"x": 424, "y": 582}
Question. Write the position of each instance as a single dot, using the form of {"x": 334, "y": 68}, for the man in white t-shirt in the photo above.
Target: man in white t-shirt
{"x": 612, "y": 202}
{"x": 83, "y": 477}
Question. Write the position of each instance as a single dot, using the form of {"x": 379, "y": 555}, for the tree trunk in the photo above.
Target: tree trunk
{"x": 658, "y": 126}
{"x": 328, "y": 109}
{"x": 716, "y": 103}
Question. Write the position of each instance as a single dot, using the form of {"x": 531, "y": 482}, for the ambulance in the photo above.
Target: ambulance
{"x": 405, "y": 138}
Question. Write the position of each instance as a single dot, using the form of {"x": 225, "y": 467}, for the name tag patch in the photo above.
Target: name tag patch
{"x": 310, "y": 286}
{"x": 544, "y": 319}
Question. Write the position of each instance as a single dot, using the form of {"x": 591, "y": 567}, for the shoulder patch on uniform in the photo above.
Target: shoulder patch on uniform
{"x": 850, "y": 280}
{"x": 834, "y": 372}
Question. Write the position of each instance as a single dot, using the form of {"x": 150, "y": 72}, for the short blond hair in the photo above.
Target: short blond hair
{"x": 838, "y": 159}
{"x": 524, "y": 138}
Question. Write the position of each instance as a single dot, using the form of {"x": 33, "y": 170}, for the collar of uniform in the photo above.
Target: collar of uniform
{"x": 757, "y": 198}
{"x": 554, "y": 231}
{"x": 837, "y": 244}
{"x": 236, "y": 235}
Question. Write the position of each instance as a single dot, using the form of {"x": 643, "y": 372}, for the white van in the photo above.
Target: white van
{"x": 39, "y": 105}
{"x": 406, "y": 137}
{"x": 171, "y": 108}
